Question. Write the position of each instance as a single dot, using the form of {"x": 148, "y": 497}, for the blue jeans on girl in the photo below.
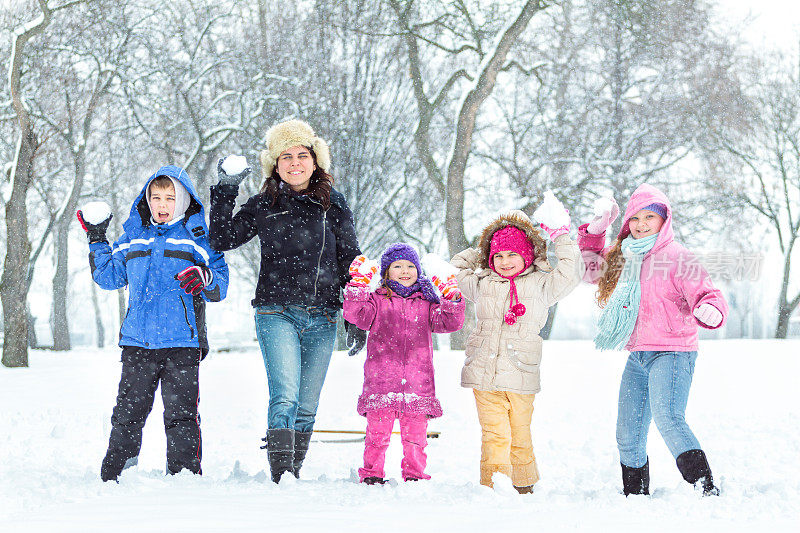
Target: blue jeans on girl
{"x": 654, "y": 385}
{"x": 296, "y": 343}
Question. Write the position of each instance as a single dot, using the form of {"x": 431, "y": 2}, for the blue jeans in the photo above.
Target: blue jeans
{"x": 654, "y": 385}
{"x": 296, "y": 343}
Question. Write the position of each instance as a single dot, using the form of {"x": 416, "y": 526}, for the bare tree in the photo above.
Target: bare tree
{"x": 764, "y": 158}
{"x": 474, "y": 52}
{"x": 13, "y": 287}
{"x": 85, "y": 60}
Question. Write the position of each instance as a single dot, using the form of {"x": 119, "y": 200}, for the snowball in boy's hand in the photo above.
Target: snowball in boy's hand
{"x": 436, "y": 266}
{"x": 552, "y": 212}
{"x": 234, "y": 164}
{"x": 95, "y": 212}
{"x": 603, "y": 205}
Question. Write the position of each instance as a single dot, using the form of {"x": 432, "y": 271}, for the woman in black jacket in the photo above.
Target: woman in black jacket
{"x": 307, "y": 244}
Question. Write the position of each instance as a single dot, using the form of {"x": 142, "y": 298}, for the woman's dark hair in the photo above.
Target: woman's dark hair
{"x": 319, "y": 187}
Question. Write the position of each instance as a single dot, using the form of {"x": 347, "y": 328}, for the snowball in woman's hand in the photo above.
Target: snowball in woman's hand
{"x": 551, "y": 213}
{"x": 234, "y": 164}
{"x": 95, "y": 212}
{"x": 603, "y": 205}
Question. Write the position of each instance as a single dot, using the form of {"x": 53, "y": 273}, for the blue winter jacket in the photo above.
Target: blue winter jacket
{"x": 146, "y": 258}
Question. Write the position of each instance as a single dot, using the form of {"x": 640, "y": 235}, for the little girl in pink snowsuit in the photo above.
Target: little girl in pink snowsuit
{"x": 398, "y": 373}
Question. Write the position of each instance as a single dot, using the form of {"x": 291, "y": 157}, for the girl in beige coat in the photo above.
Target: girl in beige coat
{"x": 512, "y": 285}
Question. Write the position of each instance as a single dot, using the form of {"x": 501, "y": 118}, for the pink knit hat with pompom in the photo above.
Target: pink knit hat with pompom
{"x": 512, "y": 239}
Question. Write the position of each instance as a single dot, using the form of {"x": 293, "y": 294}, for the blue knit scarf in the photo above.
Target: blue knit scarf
{"x": 619, "y": 317}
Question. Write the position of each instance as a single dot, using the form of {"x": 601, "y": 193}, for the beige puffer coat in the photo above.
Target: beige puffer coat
{"x": 502, "y": 357}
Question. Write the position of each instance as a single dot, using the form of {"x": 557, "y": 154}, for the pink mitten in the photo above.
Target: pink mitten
{"x": 601, "y": 222}
{"x": 361, "y": 279}
{"x": 708, "y": 315}
{"x": 555, "y": 232}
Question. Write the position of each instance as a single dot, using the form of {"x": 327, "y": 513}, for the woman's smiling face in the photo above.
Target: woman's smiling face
{"x": 295, "y": 167}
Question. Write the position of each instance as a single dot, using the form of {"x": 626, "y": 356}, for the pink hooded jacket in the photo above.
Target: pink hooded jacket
{"x": 398, "y": 372}
{"x": 673, "y": 282}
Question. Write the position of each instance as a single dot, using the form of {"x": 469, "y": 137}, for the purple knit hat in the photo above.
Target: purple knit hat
{"x": 658, "y": 209}
{"x": 396, "y": 252}
{"x": 400, "y": 250}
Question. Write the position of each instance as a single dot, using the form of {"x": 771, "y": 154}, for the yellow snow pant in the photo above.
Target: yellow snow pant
{"x": 506, "y": 444}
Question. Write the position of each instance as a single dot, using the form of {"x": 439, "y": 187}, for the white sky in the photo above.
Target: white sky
{"x": 775, "y": 23}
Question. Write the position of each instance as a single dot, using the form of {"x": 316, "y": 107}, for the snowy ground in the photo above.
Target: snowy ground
{"x": 744, "y": 408}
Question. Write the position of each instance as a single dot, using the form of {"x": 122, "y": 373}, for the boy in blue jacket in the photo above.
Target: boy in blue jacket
{"x": 164, "y": 258}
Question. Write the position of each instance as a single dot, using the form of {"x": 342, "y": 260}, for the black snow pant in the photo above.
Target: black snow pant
{"x": 177, "y": 369}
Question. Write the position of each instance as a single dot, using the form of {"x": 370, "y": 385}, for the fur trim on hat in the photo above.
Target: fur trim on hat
{"x": 285, "y": 135}
{"x": 522, "y": 221}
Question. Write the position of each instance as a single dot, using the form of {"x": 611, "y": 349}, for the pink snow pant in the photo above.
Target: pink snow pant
{"x": 413, "y": 435}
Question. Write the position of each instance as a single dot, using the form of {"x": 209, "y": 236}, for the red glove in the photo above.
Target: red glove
{"x": 449, "y": 288}
{"x": 194, "y": 279}
{"x": 361, "y": 279}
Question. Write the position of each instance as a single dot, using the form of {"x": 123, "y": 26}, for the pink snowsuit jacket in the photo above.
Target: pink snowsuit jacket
{"x": 673, "y": 282}
{"x": 398, "y": 372}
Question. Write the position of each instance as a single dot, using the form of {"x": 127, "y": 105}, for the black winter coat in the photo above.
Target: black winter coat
{"x": 305, "y": 251}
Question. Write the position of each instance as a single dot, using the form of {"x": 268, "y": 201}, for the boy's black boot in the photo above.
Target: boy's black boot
{"x": 636, "y": 480}
{"x": 280, "y": 452}
{"x": 694, "y": 468}
{"x": 112, "y": 466}
{"x": 301, "y": 442}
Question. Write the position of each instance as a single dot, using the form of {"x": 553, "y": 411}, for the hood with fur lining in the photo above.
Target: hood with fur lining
{"x": 519, "y": 220}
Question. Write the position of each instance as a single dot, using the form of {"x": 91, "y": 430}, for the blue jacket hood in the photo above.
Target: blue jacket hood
{"x": 194, "y": 219}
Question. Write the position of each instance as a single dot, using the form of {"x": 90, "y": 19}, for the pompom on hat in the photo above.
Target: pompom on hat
{"x": 287, "y": 134}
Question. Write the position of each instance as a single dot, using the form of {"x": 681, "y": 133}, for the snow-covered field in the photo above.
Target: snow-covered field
{"x": 744, "y": 409}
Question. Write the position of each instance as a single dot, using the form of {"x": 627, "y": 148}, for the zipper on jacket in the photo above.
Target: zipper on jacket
{"x": 322, "y": 248}
{"x": 276, "y": 214}
{"x": 186, "y": 315}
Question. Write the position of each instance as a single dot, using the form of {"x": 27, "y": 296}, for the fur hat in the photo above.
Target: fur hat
{"x": 287, "y": 134}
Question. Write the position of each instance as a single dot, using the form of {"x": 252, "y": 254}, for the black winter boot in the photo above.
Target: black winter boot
{"x": 280, "y": 452}
{"x": 301, "y": 443}
{"x": 110, "y": 469}
{"x": 694, "y": 468}
{"x": 636, "y": 480}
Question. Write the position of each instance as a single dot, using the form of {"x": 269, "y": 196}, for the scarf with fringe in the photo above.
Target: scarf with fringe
{"x": 619, "y": 316}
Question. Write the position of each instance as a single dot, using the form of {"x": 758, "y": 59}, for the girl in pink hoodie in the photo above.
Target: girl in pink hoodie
{"x": 398, "y": 372}
{"x": 654, "y": 295}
